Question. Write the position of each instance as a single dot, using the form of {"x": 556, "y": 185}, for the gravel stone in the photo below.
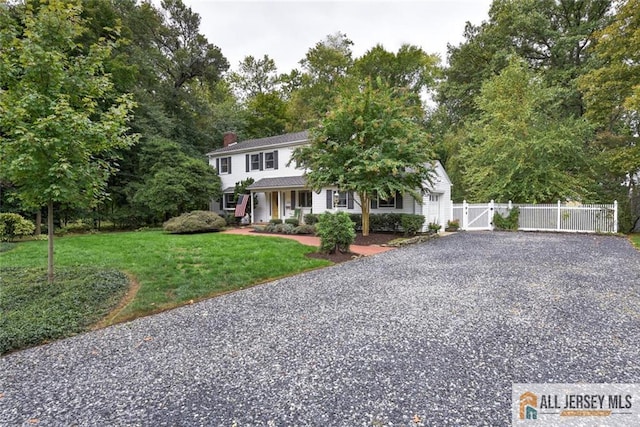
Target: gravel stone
{"x": 429, "y": 334}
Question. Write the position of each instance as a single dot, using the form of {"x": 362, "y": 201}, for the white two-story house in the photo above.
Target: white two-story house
{"x": 280, "y": 190}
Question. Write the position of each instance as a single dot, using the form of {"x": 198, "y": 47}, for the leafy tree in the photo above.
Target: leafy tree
{"x": 60, "y": 120}
{"x": 174, "y": 183}
{"x": 520, "y": 149}
{"x": 255, "y": 77}
{"x": 612, "y": 96}
{"x": 369, "y": 143}
{"x": 411, "y": 68}
{"x": 266, "y": 115}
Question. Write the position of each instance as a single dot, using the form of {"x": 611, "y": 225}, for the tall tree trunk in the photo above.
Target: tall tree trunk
{"x": 365, "y": 204}
{"x": 50, "y": 234}
{"x": 38, "y": 222}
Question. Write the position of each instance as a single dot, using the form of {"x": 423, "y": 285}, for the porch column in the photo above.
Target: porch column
{"x": 251, "y": 200}
{"x": 280, "y": 210}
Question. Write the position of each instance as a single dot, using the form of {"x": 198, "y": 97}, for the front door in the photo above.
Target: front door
{"x": 275, "y": 209}
{"x": 433, "y": 208}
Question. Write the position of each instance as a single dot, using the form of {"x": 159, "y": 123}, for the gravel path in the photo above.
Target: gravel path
{"x": 439, "y": 330}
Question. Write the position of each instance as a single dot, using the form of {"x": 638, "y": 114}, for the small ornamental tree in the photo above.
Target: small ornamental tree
{"x": 60, "y": 121}
{"x": 336, "y": 232}
{"x": 370, "y": 143}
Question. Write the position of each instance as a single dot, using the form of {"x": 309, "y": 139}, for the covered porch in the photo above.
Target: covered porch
{"x": 279, "y": 198}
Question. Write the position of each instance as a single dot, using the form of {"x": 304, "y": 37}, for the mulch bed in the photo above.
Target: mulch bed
{"x": 371, "y": 239}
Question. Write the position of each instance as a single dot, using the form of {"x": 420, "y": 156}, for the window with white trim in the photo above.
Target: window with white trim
{"x": 389, "y": 202}
{"x": 255, "y": 162}
{"x": 225, "y": 165}
{"x": 342, "y": 199}
{"x": 269, "y": 160}
{"x": 305, "y": 199}
{"x": 229, "y": 201}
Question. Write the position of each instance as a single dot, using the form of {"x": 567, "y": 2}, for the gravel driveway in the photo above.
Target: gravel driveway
{"x": 439, "y": 331}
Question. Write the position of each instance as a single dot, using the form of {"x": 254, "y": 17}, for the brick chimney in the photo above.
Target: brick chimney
{"x": 229, "y": 138}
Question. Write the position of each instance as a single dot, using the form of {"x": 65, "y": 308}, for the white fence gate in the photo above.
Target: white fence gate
{"x": 573, "y": 218}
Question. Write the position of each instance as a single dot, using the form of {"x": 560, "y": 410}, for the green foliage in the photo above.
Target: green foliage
{"x": 275, "y": 221}
{"x": 336, "y": 232}
{"x": 510, "y": 222}
{"x": 519, "y": 148}
{"x": 61, "y": 117}
{"x": 369, "y": 143}
{"x": 453, "y": 225}
{"x": 13, "y": 225}
{"x": 304, "y": 229}
{"x": 310, "y": 219}
{"x": 78, "y": 226}
{"x": 411, "y": 224}
{"x": 434, "y": 227}
{"x": 33, "y": 312}
{"x": 293, "y": 221}
{"x": 195, "y": 222}
{"x": 175, "y": 183}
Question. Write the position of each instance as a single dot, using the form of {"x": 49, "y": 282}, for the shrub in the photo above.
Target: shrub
{"x": 275, "y": 221}
{"x": 434, "y": 227}
{"x": 195, "y": 222}
{"x": 13, "y": 225}
{"x": 453, "y": 225}
{"x": 310, "y": 219}
{"x": 231, "y": 220}
{"x": 293, "y": 221}
{"x": 411, "y": 224}
{"x": 285, "y": 228}
{"x": 304, "y": 229}
{"x": 384, "y": 222}
{"x": 510, "y": 222}
{"x": 336, "y": 232}
{"x": 357, "y": 220}
{"x": 77, "y": 226}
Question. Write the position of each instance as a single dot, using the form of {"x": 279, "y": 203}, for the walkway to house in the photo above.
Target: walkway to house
{"x": 312, "y": 241}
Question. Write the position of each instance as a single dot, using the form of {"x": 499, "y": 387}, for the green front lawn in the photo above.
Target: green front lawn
{"x": 635, "y": 239}
{"x": 171, "y": 269}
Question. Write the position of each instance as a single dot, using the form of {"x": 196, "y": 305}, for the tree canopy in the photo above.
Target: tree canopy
{"x": 370, "y": 143}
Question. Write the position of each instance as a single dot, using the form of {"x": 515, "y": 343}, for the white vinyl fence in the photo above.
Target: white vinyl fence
{"x": 572, "y": 218}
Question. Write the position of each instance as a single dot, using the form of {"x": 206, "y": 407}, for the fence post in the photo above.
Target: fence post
{"x": 509, "y": 206}
{"x": 490, "y": 213}
{"x": 615, "y": 216}
{"x": 559, "y": 217}
{"x": 465, "y": 214}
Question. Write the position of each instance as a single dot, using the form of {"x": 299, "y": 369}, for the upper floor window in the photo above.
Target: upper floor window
{"x": 223, "y": 165}
{"x": 261, "y": 161}
{"x": 255, "y": 162}
{"x": 269, "y": 160}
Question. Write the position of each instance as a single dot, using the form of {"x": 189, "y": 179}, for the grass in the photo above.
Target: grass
{"x": 32, "y": 311}
{"x": 171, "y": 270}
{"x": 635, "y": 239}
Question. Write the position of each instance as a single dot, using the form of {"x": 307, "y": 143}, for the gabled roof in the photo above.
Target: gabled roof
{"x": 251, "y": 144}
{"x": 279, "y": 182}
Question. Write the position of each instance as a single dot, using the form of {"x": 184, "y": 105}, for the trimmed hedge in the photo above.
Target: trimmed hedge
{"x": 310, "y": 219}
{"x": 195, "y": 222}
{"x": 411, "y": 224}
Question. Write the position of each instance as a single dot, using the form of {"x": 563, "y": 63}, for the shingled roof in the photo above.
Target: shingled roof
{"x": 263, "y": 142}
{"x": 279, "y": 182}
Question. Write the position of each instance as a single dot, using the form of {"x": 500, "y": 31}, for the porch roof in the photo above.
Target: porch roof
{"x": 279, "y": 182}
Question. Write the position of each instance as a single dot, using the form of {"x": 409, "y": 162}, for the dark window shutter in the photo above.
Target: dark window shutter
{"x": 218, "y": 166}
{"x": 222, "y": 202}
{"x": 350, "y": 200}
{"x": 374, "y": 202}
{"x": 229, "y": 163}
{"x": 329, "y": 199}
{"x": 246, "y": 159}
{"x": 398, "y": 200}
{"x": 261, "y": 158}
{"x": 275, "y": 159}
{"x": 293, "y": 199}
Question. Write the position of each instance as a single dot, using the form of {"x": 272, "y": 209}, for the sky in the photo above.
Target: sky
{"x": 286, "y": 30}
